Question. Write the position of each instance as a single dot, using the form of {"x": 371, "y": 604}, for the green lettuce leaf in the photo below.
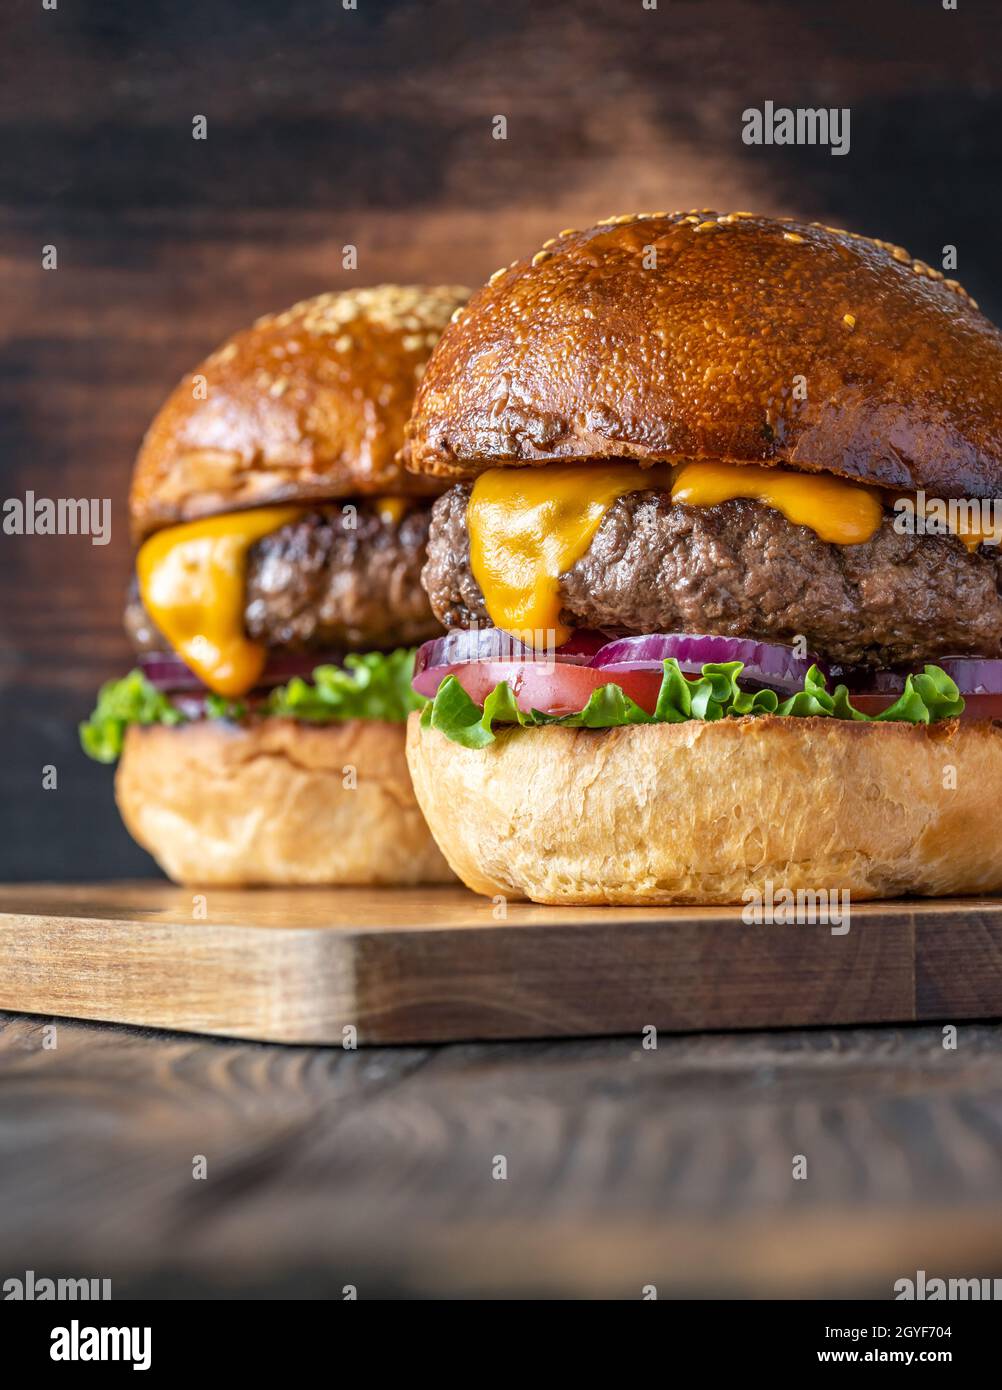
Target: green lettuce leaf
{"x": 375, "y": 685}
{"x": 131, "y": 700}
{"x": 715, "y": 694}
{"x": 372, "y": 686}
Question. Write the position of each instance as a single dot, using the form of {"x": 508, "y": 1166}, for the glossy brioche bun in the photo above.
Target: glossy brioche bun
{"x": 698, "y": 812}
{"x": 215, "y": 803}
{"x": 305, "y": 405}
{"x": 669, "y": 336}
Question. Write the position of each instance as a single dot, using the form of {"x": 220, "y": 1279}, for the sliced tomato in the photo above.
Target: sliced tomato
{"x": 975, "y": 706}
{"x": 871, "y": 704}
{"x": 552, "y": 687}
{"x": 982, "y": 707}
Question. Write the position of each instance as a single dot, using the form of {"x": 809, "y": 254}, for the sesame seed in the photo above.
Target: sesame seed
{"x": 849, "y": 320}
{"x": 393, "y": 308}
{"x": 569, "y": 231}
{"x": 541, "y": 256}
{"x": 502, "y": 270}
{"x": 793, "y": 236}
{"x": 705, "y": 226}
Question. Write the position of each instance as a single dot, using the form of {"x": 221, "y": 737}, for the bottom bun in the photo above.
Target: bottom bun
{"x": 215, "y": 803}
{"x": 709, "y": 813}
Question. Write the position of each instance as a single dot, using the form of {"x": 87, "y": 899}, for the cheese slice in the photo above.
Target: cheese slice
{"x": 838, "y": 511}
{"x": 391, "y": 509}
{"x": 966, "y": 525}
{"x": 974, "y": 535}
{"x": 528, "y": 526}
{"x": 192, "y": 579}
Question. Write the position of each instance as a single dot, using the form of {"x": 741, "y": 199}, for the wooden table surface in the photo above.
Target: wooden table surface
{"x": 625, "y": 1167}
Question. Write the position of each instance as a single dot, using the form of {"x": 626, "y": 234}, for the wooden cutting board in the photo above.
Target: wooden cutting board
{"x": 436, "y": 964}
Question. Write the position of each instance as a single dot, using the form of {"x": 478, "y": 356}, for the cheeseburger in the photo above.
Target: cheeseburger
{"x": 719, "y": 563}
{"x": 277, "y": 602}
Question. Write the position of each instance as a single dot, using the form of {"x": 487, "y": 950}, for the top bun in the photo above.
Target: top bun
{"x": 305, "y": 405}
{"x": 732, "y": 337}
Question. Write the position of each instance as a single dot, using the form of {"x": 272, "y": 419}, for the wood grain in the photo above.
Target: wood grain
{"x": 435, "y": 964}
{"x": 625, "y": 1166}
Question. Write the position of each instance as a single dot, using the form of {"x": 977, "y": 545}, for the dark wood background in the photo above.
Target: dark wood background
{"x": 373, "y": 127}
{"x": 626, "y": 1167}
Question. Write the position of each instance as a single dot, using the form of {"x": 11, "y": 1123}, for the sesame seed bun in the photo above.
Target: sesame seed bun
{"x": 306, "y": 405}
{"x": 702, "y": 812}
{"x": 737, "y": 338}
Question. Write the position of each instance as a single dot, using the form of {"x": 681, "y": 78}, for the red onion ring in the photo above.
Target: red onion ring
{"x": 168, "y": 673}
{"x": 765, "y": 663}
{"x": 973, "y": 675}
{"x": 494, "y": 644}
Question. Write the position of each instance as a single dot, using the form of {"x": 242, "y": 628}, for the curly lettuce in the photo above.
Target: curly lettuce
{"x": 715, "y": 694}
{"x": 131, "y": 700}
{"x": 375, "y": 685}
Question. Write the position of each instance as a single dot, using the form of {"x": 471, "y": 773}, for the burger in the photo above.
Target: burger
{"x": 719, "y": 567}
{"x": 277, "y": 603}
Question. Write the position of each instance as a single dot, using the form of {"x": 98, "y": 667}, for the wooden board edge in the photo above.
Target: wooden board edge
{"x": 294, "y": 985}
{"x": 302, "y": 985}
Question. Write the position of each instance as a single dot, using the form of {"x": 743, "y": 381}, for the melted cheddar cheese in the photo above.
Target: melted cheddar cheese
{"x": 192, "y": 579}
{"x": 528, "y": 526}
{"x": 969, "y": 529}
{"x": 973, "y": 536}
{"x": 837, "y": 511}
{"x": 391, "y": 509}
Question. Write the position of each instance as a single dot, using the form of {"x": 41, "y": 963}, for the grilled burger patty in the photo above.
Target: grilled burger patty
{"x": 318, "y": 583}
{"x": 741, "y": 569}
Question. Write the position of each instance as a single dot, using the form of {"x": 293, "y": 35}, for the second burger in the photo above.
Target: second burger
{"x": 276, "y": 602}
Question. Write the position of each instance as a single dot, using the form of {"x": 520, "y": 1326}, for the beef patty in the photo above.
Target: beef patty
{"x": 319, "y": 583}
{"x": 741, "y": 569}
